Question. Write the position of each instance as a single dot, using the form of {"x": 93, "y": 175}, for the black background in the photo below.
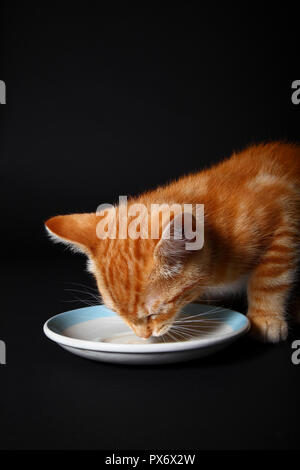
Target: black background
{"x": 112, "y": 101}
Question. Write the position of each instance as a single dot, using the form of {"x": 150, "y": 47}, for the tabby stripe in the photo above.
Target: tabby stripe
{"x": 135, "y": 304}
{"x": 259, "y": 311}
{"x": 273, "y": 288}
{"x": 137, "y": 249}
{"x": 138, "y": 286}
{"x": 107, "y": 286}
{"x": 280, "y": 249}
{"x": 278, "y": 259}
{"x": 124, "y": 262}
{"x": 130, "y": 300}
{"x": 266, "y": 271}
{"x": 111, "y": 265}
{"x": 259, "y": 299}
{"x": 130, "y": 251}
{"x": 110, "y": 272}
{"x": 181, "y": 292}
{"x": 263, "y": 313}
{"x": 286, "y": 233}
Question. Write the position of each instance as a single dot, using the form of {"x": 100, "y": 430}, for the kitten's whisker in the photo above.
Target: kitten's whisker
{"x": 200, "y": 319}
{"x": 178, "y": 333}
{"x": 188, "y": 330}
{"x": 208, "y": 312}
{"x": 203, "y": 320}
{"x": 195, "y": 323}
{"x": 215, "y": 309}
{"x": 85, "y": 286}
{"x": 196, "y": 315}
{"x": 185, "y": 334}
{"x": 202, "y": 328}
{"x": 84, "y": 301}
{"x": 82, "y": 292}
{"x": 93, "y": 296}
{"x": 195, "y": 329}
{"x": 181, "y": 335}
{"x": 172, "y": 337}
{"x": 87, "y": 289}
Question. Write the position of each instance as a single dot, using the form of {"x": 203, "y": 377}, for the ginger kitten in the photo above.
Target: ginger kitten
{"x": 252, "y": 216}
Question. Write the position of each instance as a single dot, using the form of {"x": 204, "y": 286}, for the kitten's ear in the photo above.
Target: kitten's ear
{"x": 77, "y": 230}
{"x": 177, "y": 237}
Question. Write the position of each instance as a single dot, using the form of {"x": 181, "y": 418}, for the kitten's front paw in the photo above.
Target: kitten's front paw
{"x": 268, "y": 329}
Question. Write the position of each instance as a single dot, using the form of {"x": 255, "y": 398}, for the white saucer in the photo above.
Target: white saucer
{"x": 99, "y": 334}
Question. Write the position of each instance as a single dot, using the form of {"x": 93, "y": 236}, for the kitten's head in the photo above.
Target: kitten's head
{"x": 146, "y": 281}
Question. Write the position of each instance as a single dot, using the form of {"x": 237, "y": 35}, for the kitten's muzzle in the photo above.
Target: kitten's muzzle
{"x": 142, "y": 329}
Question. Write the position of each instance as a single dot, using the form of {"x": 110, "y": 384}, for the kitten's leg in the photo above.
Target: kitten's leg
{"x": 270, "y": 285}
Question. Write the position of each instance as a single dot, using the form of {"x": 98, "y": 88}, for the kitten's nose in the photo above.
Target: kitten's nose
{"x": 143, "y": 331}
{"x": 147, "y": 334}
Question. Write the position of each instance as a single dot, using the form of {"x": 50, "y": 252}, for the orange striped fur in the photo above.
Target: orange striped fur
{"x": 252, "y": 217}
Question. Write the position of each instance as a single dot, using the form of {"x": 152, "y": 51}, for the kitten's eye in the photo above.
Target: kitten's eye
{"x": 156, "y": 311}
{"x": 151, "y": 315}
